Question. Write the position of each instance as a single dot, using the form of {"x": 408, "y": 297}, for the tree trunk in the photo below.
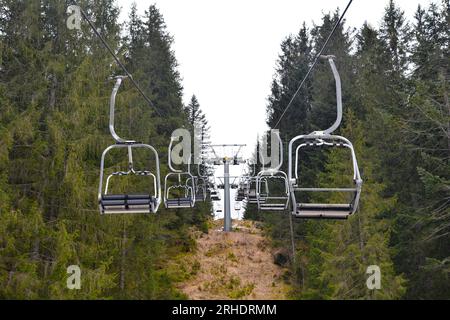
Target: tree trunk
{"x": 122, "y": 265}
{"x": 52, "y": 97}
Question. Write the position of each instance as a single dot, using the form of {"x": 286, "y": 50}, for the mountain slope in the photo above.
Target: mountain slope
{"x": 234, "y": 265}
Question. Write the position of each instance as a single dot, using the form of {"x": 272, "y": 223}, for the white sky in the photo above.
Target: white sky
{"x": 227, "y": 50}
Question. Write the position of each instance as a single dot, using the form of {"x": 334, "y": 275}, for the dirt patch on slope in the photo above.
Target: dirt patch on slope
{"x": 234, "y": 265}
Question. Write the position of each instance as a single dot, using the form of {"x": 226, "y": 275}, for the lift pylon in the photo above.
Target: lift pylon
{"x": 226, "y": 161}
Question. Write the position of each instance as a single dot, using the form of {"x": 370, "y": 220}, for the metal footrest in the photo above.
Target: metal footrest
{"x": 323, "y": 210}
{"x": 272, "y": 207}
{"x": 255, "y": 200}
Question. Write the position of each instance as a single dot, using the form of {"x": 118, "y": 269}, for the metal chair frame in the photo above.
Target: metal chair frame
{"x": 320, "y": 139}
{"x": 127, "y": 203}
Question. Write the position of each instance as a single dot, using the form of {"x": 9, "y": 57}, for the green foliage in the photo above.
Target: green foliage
{"x": 395, "y": 93}
{"x": 341, "y": 251}
{"x": 53, "y": 128}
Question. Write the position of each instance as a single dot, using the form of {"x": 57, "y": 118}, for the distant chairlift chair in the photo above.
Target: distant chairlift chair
{"x": 251, "y": 187}
{"x": 200, "y": 188}
{"x": 273, "y": 179}
{"x": 252, "y": 190}
{"x": 178, "y": 194}
{"x": 241, "y": 191}
{"x": 146, "y": 202}
{"x": 320, "y": 139}
{"x": 215, "y": 196}
{"x": 201, "y": 185}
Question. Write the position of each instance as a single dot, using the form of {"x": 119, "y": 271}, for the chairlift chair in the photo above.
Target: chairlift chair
{"x": 273, "y": 199}
{"x": 215, "y": 196}
{"x": 178, "y": 194}
{"x": 251, "y": 186}
{"x": 201, "y": 185}
{"x": 200, "y": 193}
{"x": 200, "y": 189}
{"x": 147, "y": 201}
{"x": 240, "y": 194}
{"x": 320, "y": 139}
{"x": 252, "y": 192}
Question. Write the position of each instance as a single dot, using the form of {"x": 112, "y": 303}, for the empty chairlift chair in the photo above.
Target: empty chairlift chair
{"x": 201, "y": 185}
{"x": 252, "y": 190}
{"x": 240, "y": 195}
{"x": 179, "y": 186}
{"x": 200, "y": 190}
{"x": 215, "y": 196}
{"x": 241, "y": 191}
{"x": 147, "y": 201}
{"x": 322, "y": 139}
{"x": 275, "y": 195}
{"x": 250, "y": 186}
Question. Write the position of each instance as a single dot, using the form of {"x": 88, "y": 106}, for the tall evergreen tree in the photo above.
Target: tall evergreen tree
{"x": 292, "y": 65}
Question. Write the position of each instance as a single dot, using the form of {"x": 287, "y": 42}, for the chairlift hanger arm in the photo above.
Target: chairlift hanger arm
{"x": 337, "y": 79}
{"x": 112, "y": 105}
{"x": 280, "y": 164}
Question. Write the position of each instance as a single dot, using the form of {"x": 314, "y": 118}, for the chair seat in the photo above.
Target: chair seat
{"x": 127, "y": 203}
{"x": 179, "y": 203}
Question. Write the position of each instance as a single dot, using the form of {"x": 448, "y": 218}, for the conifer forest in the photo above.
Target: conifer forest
{"x": 55, "y": 94}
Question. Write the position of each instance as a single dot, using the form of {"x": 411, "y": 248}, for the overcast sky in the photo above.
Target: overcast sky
{"x": 227, "y": 50}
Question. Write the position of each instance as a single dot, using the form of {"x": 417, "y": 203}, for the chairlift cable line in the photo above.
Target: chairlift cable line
{"x": 316, "y": 59}
{"x": 118, "y": 61}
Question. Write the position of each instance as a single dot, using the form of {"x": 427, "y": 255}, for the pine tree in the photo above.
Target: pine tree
{"x": 395, "y": 34}
{"x": 292, "y": 65}
{"x": 425, "y": 124}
